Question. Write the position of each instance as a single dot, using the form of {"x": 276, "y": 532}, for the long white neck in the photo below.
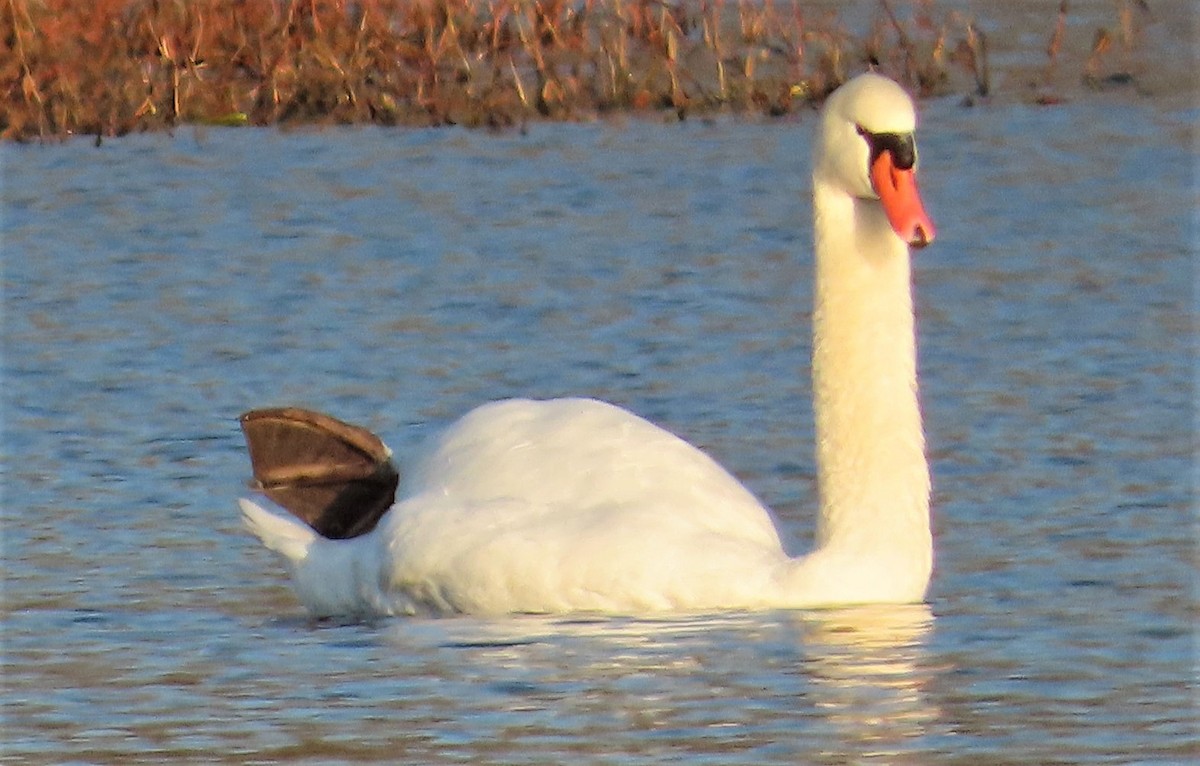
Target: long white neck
{"x": 873, "y": 476}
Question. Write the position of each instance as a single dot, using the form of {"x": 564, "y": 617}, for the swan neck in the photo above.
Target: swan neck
{"x": 873, "y": 477}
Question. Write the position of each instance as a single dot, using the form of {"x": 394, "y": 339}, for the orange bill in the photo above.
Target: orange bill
{"x": 897, "y": 190}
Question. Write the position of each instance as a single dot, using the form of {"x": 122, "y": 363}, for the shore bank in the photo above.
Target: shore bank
{"x": 110, "y": 67}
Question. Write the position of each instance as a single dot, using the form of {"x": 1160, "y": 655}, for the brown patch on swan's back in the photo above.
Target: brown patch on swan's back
{"x": 336, "y": 477}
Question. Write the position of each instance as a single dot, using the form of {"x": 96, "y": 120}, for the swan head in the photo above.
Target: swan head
{"x": 866, "y": 149}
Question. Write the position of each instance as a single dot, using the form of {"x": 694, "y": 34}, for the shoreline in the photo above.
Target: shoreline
{"x": 113, "y": 67}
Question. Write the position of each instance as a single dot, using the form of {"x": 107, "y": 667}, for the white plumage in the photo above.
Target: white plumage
{"x": 577, "y": 505}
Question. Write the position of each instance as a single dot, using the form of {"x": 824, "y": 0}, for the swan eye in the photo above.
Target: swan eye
{"x": 901, "y": 146}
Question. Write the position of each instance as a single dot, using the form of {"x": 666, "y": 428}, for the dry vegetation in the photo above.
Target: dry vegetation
{"x": 108, "y": 67}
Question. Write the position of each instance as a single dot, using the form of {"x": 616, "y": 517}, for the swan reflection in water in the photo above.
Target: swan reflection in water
{"x": 853, "y": 678}
{"x": 866, "y": 671}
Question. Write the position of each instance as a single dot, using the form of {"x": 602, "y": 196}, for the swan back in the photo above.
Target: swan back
{"x": 586, "y": 456}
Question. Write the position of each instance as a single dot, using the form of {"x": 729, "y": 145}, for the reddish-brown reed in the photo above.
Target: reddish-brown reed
{"x": 108, "y": 67}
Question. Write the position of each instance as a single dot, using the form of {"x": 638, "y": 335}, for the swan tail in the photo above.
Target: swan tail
{"x": 287, "y": 537}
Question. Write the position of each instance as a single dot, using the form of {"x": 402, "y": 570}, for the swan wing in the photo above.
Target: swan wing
{"x": 566, "y": 459}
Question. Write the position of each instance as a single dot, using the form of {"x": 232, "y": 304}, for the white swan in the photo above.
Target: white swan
{"x": 577, "y": 505}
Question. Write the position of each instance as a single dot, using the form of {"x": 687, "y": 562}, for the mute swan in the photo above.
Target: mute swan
{"x": 577, "y": 505}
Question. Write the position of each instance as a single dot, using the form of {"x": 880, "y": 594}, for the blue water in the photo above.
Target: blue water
{"x": 157, "y": 286}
